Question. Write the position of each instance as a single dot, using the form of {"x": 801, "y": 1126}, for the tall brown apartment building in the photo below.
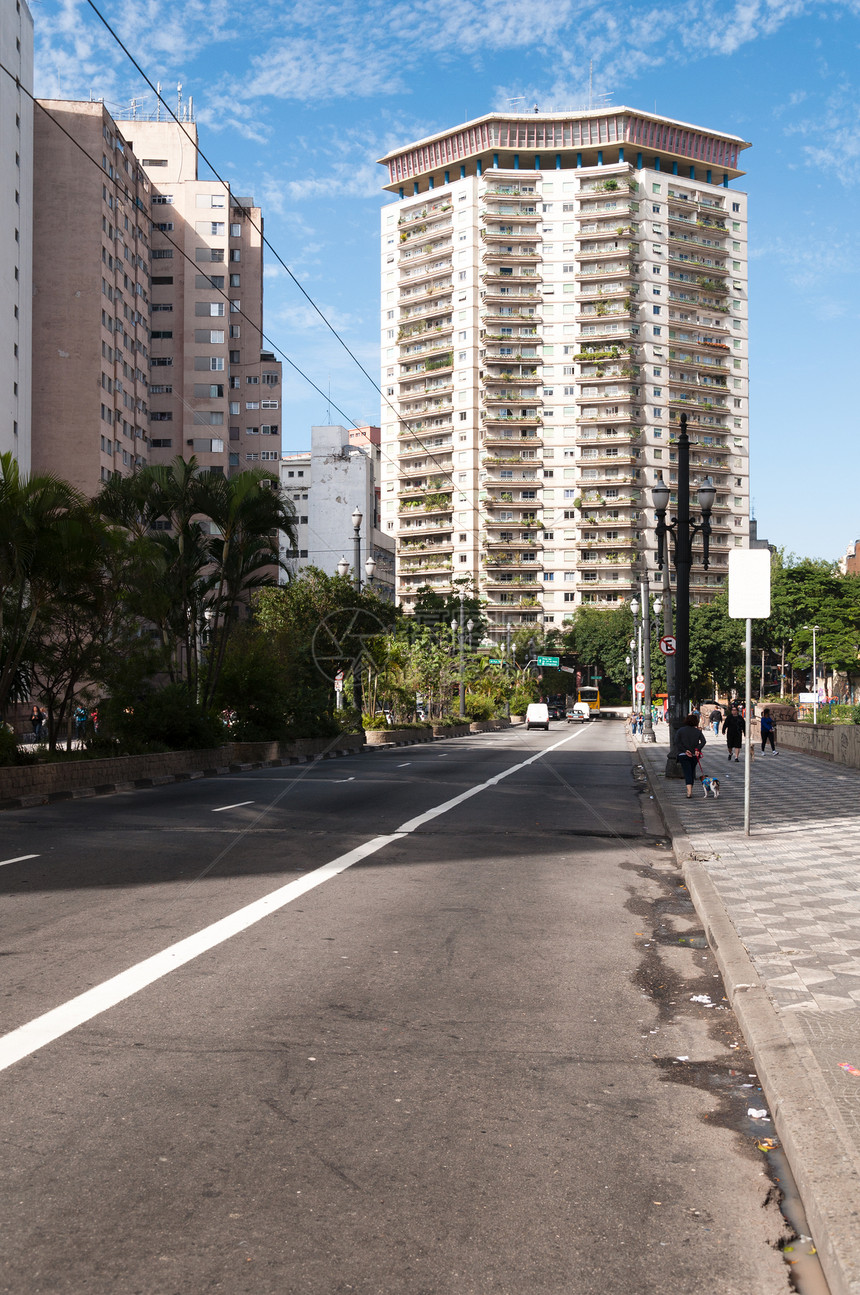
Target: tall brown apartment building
{"x": 213, "y": 391}
{"x": 180, "y": 270}
{"x": 90, "y": 297}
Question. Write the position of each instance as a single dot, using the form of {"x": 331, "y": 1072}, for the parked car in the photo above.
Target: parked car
{"x": 579, "y": 712}
{"x": 537, "y": 716}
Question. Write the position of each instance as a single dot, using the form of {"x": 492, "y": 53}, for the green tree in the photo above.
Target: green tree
{"x": 87, "y": 629}
{"x": 213, "y": 541}
{"x": 35, "y": 516}
{"x": 319, "y": 624}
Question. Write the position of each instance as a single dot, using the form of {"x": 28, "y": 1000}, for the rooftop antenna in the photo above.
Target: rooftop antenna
{"x": 179, "y": 100}
{"x": 191, "y": 107}
{"x": 134, "y": 104}
{"x": 512, "y": 103}
{"x": 158, "y": 101}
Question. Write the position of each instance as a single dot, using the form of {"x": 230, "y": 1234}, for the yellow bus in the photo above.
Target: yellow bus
{"x": 591, "y": 696}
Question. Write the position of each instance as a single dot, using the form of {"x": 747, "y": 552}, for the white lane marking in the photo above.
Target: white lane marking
{"x": 421, "y": 819}
{"x": 238, "y": 805}
{"x": 405, "y": 765}
{"x": 44, "y": 1029}
{"x": 19, "y": 859}
{"x": 68, "y": 1016}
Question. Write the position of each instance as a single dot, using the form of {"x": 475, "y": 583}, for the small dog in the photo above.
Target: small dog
{"x": 711, "y": 785}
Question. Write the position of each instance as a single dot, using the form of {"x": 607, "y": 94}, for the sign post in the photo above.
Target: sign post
{"x": 749, "y": 598}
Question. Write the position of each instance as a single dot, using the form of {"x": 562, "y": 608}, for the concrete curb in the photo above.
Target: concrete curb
{"x": 807, "y": 1122}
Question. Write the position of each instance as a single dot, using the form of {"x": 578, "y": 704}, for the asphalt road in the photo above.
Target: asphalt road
{"x": 437, "y": 1069}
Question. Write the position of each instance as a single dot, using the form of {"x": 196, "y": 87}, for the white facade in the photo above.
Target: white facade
{"x": 326, "y": 484}
{"x": 16, "y": 222}
{"x": 555, "y": 293}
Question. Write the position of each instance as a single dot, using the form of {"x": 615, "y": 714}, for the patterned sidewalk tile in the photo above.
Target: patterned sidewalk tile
{"x": 792, "y": 891}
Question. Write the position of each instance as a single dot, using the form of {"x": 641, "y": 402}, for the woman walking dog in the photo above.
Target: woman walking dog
{"x": 690, "y": 741}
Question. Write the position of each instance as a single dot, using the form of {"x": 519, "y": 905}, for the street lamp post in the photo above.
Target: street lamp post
{"x": 356, "y": 577}
{"x": 647, "y": 727}
{"x": 683, "y": 529}
{"x": 462, "y": 660}
{"x": 632, "y": 661}
{"x": 815, "y": 630}
{"x": 637, "y": 641}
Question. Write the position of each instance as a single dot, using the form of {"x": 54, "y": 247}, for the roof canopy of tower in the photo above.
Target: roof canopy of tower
{"x": 562, "y": 140}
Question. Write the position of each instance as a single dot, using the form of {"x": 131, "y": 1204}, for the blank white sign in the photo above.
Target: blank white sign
{"x": 749, "y": 584}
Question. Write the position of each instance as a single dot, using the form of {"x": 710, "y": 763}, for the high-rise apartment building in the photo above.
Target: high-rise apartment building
{"x": 148, "y": 304}
{"x": 16, "y": 228}
{"x": 90, "y": 297}
{"x": 557, "y": 289}
{"x": 214, "y": 391}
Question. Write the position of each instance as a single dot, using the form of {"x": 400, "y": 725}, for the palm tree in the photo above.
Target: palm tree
{"x": 247, "y": 511}
{"x": 222, "y": 543}
{"x": 35, "y": 513}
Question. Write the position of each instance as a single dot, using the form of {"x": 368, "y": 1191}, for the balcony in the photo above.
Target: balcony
{"x": 418, "y": 255}
{"x": 496, "y": 252}
{"x": 440, "y": 291}
{"x": 521, "y": 234}
{"x": 429, "y": 212}
{"x": 611, "y": 436}
{"x": 430, "y": 331}
{"x": 508, "y": 440}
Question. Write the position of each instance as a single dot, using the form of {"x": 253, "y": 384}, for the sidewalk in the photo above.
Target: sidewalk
{"x": 781, "y": 910}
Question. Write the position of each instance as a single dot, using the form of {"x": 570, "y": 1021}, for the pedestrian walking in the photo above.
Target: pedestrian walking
{"x": 768, "y": 731}
{"x": 715, "y": 719}
{"x": 690, "y": 742}
{"x": 734, "y": 729}
{"x": 36, "y": 723}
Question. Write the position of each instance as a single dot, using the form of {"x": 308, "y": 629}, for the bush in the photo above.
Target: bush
{"x": 8, "y": 746}
{"x": 479, "y": 708}
{"x": 522, "y": 697}
{"x": 169, "y": 718}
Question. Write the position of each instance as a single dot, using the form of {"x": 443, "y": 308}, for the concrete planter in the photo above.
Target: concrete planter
{"x": 489, "y": 725}
{"x": 398, "y": 736}
{"x": 451, "y": 730}
{"x": 37, "y": 783}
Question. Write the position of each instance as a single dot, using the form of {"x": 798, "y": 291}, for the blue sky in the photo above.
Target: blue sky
{"x": 295, "y": 101}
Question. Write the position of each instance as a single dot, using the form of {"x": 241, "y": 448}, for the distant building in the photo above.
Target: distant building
{"x": 754, "y": 541}
{"x": 214, "y": 391}
{"x": 90, "y": 297}
{"x": 16, "y": 223}
{"x": 326, "y": 484}
{"x": 147, "y": 305}
{"x": 850, "y": 564}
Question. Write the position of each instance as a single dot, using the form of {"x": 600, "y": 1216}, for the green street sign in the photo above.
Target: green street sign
{"x": 548, "y": 660}
{"x": 494, "y": 660}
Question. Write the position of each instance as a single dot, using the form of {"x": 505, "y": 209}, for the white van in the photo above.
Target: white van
{"x": 537, "y": 716}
